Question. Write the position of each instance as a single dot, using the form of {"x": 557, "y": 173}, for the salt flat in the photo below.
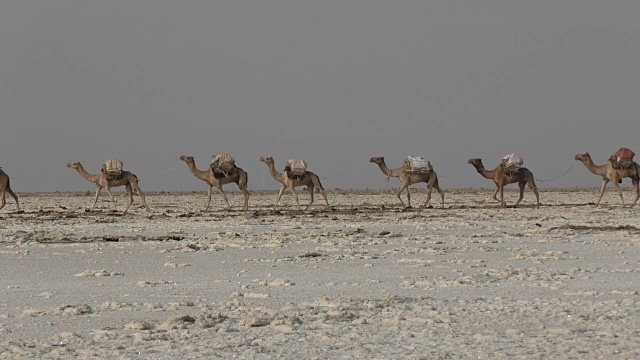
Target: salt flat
{"x": 365, "y": 279}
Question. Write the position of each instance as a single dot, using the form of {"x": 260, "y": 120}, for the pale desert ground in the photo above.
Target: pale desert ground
{"x": 362, "y": 280}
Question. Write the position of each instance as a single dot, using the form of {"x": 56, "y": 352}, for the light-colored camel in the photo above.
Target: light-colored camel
{"x": 102, "y": 180}
{"x": 609, "y": 173}
{"x": 309, "y": 179}
{"x": 239, "y": 177}
{"x": 408, "y": 178}
{"x": 5, "y": 186}
{"x": 502, "y": 178}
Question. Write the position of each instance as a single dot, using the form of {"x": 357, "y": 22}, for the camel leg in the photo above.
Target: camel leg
{"x": 310, "y": 189}
{"x": 95, "y": 201}
{"x": 501, "y": 188}
{"x": 246, "y": 194}
{"x": 317, "y": 185}
{"x": 437, "y": 187}
{"x": 15, "y": 197}
{"x": 495, "y": 195}
{"x": 324, "y": 195}
{"x": 404, "y": 186}
{"x": 534, "y": 189}
{"x": 429, "y": 189}
{"x": 208, "y": 198}
{"x": 130, "y": 195}
{"x": 219, "y": 187}
{"x": 636, "y": 184}
{"x": 615, "y": 183}
{"x": 137, "y": 189}
{"x": 295, "y": 193}
{"x": 282, "y": 189}
{"x": 521, "y": 186}
{"x": 604, "y": 187}
{"x": 4, "y": 200}
{"x": 113, "y": 200}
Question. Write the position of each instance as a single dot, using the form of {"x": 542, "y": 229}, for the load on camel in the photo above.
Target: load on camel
{"x": 113, "y": 169}
{"x": 223, "y": 165}
{"x": 623, "y": 159}
{"x": 512, "y": 163}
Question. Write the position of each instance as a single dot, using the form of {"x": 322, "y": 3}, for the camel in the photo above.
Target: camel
{"x": 102, "y": 180}
{"x": 239, "y": 177}
{"x": 608, "y": 173}
{"x": 310, "y": 180}
{"x": 5, "y": 187}
{"x": 408, "y": 178}
{"x": 502, "y": 178}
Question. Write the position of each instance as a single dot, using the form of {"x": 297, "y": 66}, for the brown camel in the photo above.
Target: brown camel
{"x": 408, "y": 178}
{"x": 309, "y": 179}
{"x": 239, "y": 177}
{"x": 502, "y": 178}
{"x": 102, "y": 180}
{"x": 5, "y": 187}
{"x": 608, "y": 173}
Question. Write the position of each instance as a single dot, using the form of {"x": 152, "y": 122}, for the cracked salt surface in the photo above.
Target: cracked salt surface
{"x": 367, "y": 279}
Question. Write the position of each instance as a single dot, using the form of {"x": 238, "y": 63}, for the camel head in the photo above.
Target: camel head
{"x": 74, "y": 165}
{"x": 187, "y": 158}
{"x": 475, "y": 162}
{"x": 377, "y": 159}
{"x": 267, "y": 159}
{"x": 582, "y": 157}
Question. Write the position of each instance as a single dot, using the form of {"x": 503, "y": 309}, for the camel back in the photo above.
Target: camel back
{"x": 297, "y": 166}
{"x": 113, "y": 167}
{"x": 417, "y": 164}
{"x": 624, "y": 154}
{"x": 512, "y": 163}
{"x": 623, "y": 159}
{"x": 223, "y": 163}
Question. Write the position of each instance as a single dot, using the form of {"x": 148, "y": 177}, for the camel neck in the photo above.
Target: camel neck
{"x": 200, "y": 174}
{"x": 596, "y": 169}
{"x": 486, "y": 173}
{"x": 389, "y": 172}
{"x": 86, "y": 175}
{"x": 274, "y": 173}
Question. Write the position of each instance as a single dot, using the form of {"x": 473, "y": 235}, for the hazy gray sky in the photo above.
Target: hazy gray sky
{"x": 332, "y": 81}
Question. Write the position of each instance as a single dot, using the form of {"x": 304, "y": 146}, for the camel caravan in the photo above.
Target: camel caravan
{"x": 223, "y": 170}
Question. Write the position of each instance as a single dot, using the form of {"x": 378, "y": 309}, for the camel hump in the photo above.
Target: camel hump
{"x": 223, "y": 159}
{"x": 223, "y": 163}
{"x": 113, "y": 164}
{"x": 113, "y": 168}
{"x": 417, "y": 164}
{"x": 623, "y": 154}
{"x": 512, "y": 163}
{"x": 296, "y": 166}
